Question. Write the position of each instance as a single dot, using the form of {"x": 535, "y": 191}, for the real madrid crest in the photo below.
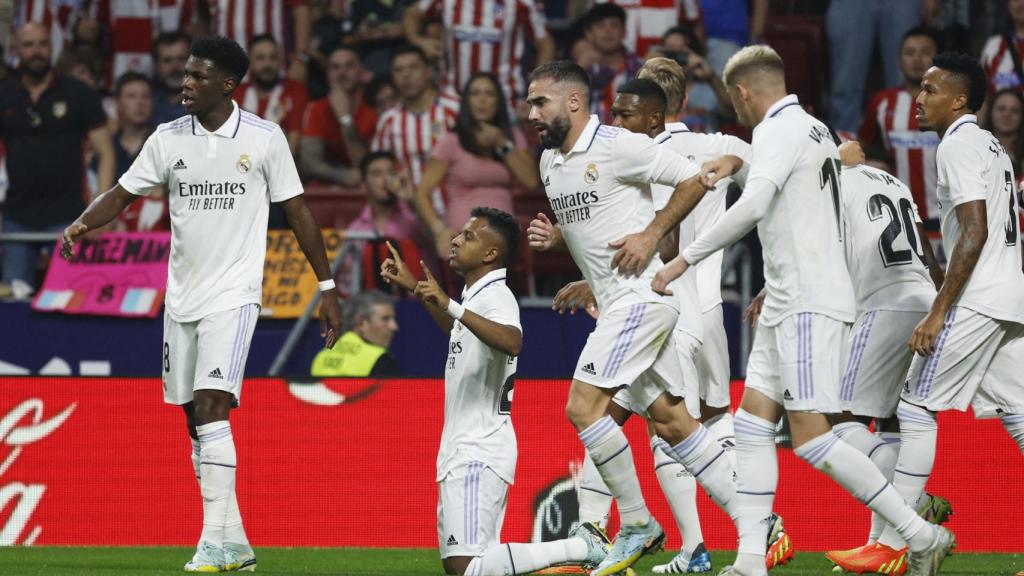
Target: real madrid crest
{"x": 244, "y": 164}
{"x": 60, "y": 109}
{"x": 590, "y": 176}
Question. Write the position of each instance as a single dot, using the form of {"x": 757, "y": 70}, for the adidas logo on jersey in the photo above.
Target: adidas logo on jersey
{"x": 589, "y": 369}
{"x": 179, "y": 165}
{"x": 547, "y": 181}
{"x": 215, "y": 374}
{"x": 786, "y": 395}
{"x": 452, "y": 541}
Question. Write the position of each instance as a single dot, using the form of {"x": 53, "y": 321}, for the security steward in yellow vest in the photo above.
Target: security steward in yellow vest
{"x": 363, "y": 350}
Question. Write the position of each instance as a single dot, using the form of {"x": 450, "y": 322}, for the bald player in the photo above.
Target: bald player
{"x": 792, "y": 196}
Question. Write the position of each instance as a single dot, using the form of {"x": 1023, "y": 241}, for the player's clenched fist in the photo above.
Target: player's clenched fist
{"x": 429, "y": 291}
{"x": 542, "y": 234}
{"x": 71, "y": 235}
{"x": 394, "y": 270}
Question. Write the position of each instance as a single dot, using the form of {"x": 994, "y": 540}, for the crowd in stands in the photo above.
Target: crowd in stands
{"x": 403, "y": 115}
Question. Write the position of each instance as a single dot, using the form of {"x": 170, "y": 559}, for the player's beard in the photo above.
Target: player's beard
{"x": 36, "y": 67}
{"x": 266, "y": 81}
{"x": 557, "y": 132}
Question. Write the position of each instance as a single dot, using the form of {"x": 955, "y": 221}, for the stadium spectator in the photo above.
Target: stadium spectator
{"x": 363, "y": 349}
{"x": 853, "y": 26}
{"x": 729, "y": 26}
{"x": 375, "y": 29}
{"x": 647, "y": 21}
{"x": 388, "y": 198}
{"x": 482, "y": 35}
{"x": 479, "y": 163}
{"x": 890, "y": 132}
{"x": 605, "y": 29}
{"x": 83, "y": 63}
{"x": 337, "y": 129}
{"x": 170, "y": 52}
{"x": 243, "y": 20}
{"x": 45, "y": 118}
{"x": 381, "y": 94}
{"x": 706, "y": 95}
{"x": 268, "y": 95}
{"x": 57, "y": 17}
{"x": 134, "y": 96}
{"x": 423, "y": 115}
{"x": 1005, "y": 119}
{"x": 1001, "y": 56}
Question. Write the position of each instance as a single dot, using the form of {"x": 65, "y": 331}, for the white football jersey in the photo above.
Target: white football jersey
{"x": 883, "y": 250}
{"x": 600, "y": 193}
{"x": 220, "y": 185}
{"x": 802, "y": 233}
{"x": 700, "y": 148}
{"x": 478, "y": 384}
{"x": 973, "y": 166}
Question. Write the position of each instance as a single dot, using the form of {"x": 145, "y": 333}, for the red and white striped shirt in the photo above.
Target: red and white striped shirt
{"x": 240, "y": 20}
{"x": 648, "y": 20}
{"x": 602, "y": 97}
{"x": 489, "y": 35}
{"x": 132, "y": 25}
{"x": 891, "y": 122}
{"x": 58, "y": 16}
{"x": 284, "y": 105}
{"x": 998, "y": 62}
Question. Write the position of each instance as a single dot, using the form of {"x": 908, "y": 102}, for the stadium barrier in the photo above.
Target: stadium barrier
{"x": 102, "y": 461}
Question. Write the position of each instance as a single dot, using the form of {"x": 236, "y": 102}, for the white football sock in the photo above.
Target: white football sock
{"x": 195, "y": 460}
{"x": 508, "y": 559}
{"x": 881, "y": 453}
{"x": 855, "y": 472}
{"x": 918, "y": 436}
{"x": 234, "y": 532}
{"x": 217, "y": 477}
{"x": 757, "y": 476}
{"x": 609, "y": 448}
{"x": 705, "y": 459}
{"x": 680, "y": 490}
{"x": 1014, "y": 424}
{"x": 722, "y": 428}
{"x": 594, "y": 497}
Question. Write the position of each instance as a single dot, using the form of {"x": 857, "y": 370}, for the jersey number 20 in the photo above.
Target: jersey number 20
{"x": 902, "y": 221}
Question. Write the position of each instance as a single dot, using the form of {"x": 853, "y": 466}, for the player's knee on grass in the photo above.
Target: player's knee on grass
{"x": 456, "y": 564}
{"x": 587, "y": 404}
{"x": 211, "y": 406}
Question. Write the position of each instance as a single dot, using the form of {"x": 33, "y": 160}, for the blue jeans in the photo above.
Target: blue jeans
{"x": 853, "y": 26}
{"x": 20, "y": 257}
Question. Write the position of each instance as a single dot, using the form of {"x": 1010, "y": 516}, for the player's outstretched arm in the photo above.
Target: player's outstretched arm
{"x": 302, "y": 223}
{"x": 973, "y": 221}
{"x": 98, "y": 213}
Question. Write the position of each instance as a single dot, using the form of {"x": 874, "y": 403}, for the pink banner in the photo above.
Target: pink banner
{"x": 112, "y": 274}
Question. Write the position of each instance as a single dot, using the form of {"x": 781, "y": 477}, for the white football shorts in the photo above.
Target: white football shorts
{"x": 978, "y": 360}
{"x": 208, "y": 354}
{"x": 470, "y": 510}
{"x": 687, "y": 349}
{"x": 713, "y": 361}
{"x": 798, "y": 362}
{"x": 878, "y": 357}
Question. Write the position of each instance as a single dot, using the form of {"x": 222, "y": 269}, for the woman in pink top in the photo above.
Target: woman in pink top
{"x": 478, "y": 163}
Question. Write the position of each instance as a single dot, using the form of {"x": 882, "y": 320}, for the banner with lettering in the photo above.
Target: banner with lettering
{"x": 112, "y": 274}
{"x": 288, "y": 280}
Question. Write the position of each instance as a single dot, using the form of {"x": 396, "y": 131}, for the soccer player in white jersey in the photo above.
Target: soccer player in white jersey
{"x": 598, "y": 179}
{"x": 792, "y": 196}
{"x": 222, "y": 167}
{"x": 477, "y": 459}
{"x": 970, "y": 347}
{"x": 895, "y": 276}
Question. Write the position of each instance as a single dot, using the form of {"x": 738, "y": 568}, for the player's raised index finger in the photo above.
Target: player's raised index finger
{"x": 394, "y": 253}
{"x": 426, "y": 271}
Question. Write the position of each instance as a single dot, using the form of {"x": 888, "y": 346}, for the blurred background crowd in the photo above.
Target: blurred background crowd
{"x": 403, "y": 115}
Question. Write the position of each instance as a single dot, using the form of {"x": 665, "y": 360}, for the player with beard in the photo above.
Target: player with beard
{"x": 223, "y": 167}
{"x": 598, "y": 180}
{"x": 268, "y": 95}
{"x": 170, "y": 52}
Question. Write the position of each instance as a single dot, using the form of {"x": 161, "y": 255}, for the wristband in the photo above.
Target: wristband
{"x": 326, "y": 285}
{"x": 455, "y": 310}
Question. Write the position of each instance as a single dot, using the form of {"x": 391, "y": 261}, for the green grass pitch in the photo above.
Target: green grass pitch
{"x": 53, "y": 561}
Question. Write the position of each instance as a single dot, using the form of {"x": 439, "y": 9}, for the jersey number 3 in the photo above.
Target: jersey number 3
{"x": 902, "y": 221}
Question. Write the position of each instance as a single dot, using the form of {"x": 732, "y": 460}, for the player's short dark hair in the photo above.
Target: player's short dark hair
{"x": 169, "y": 39}
{"x": 647, "y": 90}
{"x": 505, "y": 225}
{"x": 604, "y": 11}
{"x": 226, "y": 55}
{"x": 927, "y": 31}
{"x": 968, "y": 72}
{"x": 372, "y": 157}
{"x": 409, "y": 49}
{"x": 128, "y": 78}
{"x": 262, "y": 38}
{"x": 563, "y": 71}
